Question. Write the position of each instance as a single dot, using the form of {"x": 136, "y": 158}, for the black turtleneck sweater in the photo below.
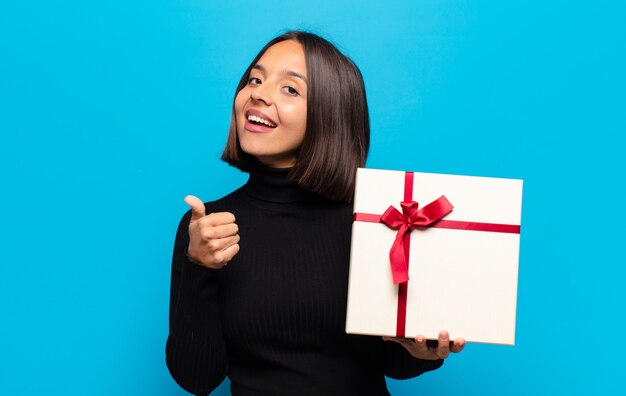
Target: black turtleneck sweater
{"x": 273, "y": 319}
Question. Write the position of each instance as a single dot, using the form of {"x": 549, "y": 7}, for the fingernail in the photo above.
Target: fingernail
{"x": 420, "y": 339}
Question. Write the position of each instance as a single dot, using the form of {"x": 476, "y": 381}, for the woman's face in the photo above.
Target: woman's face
{"x": 270, "y": 111}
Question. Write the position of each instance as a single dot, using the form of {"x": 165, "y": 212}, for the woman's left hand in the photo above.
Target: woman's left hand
{"x": 419, "y": 349}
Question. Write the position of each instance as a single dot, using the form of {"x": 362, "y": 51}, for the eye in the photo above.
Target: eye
{"x": 291, "y": 91}
{"x": 254, "y": 81}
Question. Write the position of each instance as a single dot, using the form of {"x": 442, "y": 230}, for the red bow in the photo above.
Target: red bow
{"x": 409, "y": 219}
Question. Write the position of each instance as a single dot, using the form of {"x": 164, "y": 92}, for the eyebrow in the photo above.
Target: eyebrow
{"x": 287, "y": 72}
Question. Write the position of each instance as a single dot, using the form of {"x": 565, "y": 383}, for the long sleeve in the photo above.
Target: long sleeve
{"x": 195, "y": 350}
{"x": 399, "y": 364}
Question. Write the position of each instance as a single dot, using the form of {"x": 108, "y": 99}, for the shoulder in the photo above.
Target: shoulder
{"x": 228, "y": 203}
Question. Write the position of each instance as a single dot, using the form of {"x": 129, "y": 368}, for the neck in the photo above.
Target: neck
{"x": 274, "y": 185}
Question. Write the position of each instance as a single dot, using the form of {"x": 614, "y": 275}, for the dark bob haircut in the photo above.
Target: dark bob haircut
{"x": 337, "y": 134}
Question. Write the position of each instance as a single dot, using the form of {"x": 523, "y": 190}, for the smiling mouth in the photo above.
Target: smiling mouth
{"x": 260, "y": 121}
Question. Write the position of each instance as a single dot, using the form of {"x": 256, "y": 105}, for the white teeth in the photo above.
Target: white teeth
{"x": 261, "y": 120}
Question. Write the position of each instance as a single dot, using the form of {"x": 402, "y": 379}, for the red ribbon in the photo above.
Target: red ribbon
{"x": 411, "y": 218}
{"x": 404, "y": 222}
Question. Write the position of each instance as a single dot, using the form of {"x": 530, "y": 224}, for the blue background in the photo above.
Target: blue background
{"x": 111, "y": 112}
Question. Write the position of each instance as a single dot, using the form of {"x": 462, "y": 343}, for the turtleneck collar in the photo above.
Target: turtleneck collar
{"x": 274, "y": 185}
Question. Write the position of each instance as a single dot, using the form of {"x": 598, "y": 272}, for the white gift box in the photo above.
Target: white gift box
{"x": 462, "y": 269}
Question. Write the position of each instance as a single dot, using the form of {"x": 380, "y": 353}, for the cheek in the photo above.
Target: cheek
{"x": 240, "y": 101}
{"x": 302, "y": 123}
{"x": 295, "y": 115}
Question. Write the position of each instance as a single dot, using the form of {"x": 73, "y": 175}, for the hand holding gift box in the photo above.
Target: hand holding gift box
{"x": 447, "y": 259}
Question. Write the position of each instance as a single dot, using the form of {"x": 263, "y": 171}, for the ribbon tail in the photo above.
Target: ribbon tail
{"x": 397, "y": 258}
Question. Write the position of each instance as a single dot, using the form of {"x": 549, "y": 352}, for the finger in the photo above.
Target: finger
{"x": 217, "y": 245}
{"x": 443, "y": 349}
{"x": 420, "y": 343}
{"x": 217, "y": 232}
{"x": 219, "y": 218}
{"x": 458, "y": 345}
{"x": 230, "y": 252}
{"x": 198, "y": 210}
{"x": 221, "y": 258}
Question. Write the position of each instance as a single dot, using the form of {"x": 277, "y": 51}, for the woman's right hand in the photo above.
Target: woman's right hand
{"x": 213, "y": 238}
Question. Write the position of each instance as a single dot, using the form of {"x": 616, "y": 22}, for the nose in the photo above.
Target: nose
{"x": 261, "y": 93}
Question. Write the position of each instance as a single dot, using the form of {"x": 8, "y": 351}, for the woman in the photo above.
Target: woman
{"x": 271, "y": 316}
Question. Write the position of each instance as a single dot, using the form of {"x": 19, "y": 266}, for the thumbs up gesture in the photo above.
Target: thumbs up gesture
{"x": 213, "y": 238}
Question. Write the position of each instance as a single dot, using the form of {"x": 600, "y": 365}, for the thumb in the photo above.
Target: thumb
{"x": 198, "y": 210}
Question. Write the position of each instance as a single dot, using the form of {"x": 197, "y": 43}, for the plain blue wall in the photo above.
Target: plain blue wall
{"x": 111, "y": 112}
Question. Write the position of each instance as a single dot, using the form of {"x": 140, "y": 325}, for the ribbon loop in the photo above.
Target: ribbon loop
{"x": 404, "y": 222}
